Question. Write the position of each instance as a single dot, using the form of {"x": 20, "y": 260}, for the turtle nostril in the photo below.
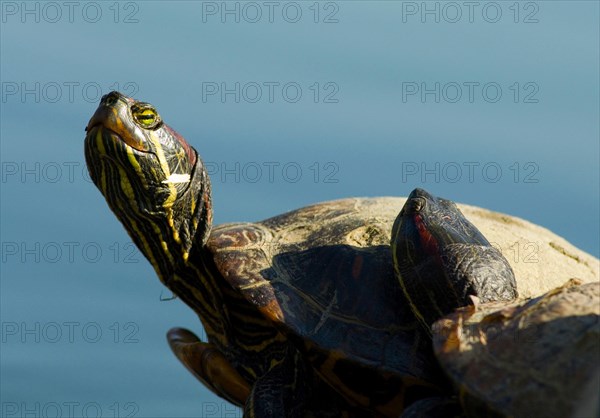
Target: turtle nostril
{"x": 110, "y": 98}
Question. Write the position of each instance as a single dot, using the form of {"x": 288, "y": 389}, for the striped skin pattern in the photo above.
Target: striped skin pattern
{"x": 163, "y": 219}
{"x": 442, "y": 260}
{"x": 157, "y": 186}
{"x": 170, "y": 223}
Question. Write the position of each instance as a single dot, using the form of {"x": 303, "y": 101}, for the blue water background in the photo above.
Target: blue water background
{"x": 361, "y": 136}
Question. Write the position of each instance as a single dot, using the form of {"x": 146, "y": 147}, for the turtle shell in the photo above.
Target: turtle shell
{"x": 535, "y": 358}
{"x": 323, "y": 275}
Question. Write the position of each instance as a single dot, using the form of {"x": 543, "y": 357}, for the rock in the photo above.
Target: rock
{"x": 526, "y": 358}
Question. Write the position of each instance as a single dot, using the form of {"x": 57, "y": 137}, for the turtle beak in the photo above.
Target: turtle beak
{"x": 113, "y": 114}
{"x": 101, "y": 115}
{"x": 108, "y": 110}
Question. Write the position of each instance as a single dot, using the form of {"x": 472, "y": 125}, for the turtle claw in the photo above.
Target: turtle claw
{"x": 209, "y": 366}
{"x": 474, "y": 300}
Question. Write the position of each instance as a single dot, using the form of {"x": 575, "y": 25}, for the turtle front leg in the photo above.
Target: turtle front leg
{"x": 209, "y": 366}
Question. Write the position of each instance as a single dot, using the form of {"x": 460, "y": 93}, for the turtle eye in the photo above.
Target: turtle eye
{"x": 146, "y": 116}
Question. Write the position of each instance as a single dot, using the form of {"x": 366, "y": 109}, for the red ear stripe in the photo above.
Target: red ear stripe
{"x": 187, "y": 147}
{"x": 429, "y": 243}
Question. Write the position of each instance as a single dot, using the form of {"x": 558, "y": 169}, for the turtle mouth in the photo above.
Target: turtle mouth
{"x": 105, "y": 148}
{"x": 95, "y": 120}
{"x": 105, "y": 115}
{"x": 116, "y": 119}
{"x": 96, "y": 124}
{"x": 105, "y": 144}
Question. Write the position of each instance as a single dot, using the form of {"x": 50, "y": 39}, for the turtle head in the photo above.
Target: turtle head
{"x": 436, "y": 222}
{"x": 152, "y": 179}
{"x": 443, "y": 261}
